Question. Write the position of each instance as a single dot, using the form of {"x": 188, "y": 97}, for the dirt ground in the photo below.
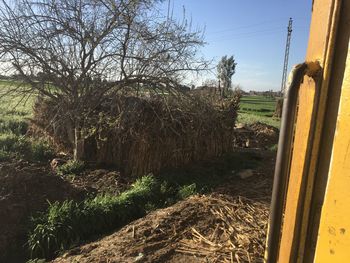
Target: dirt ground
{"x": 27, "y": 188}
{"x": 226, "y": 226}
{"x": 24, "y": 190}
{"x": 229, "y": 225}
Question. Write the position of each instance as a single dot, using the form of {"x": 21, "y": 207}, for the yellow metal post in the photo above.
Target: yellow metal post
{"x": 307, "y": 235}
{"x": 333, "y": 244}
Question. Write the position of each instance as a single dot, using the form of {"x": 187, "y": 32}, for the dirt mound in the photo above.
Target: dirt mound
{"x": 193, "y": 230}
{"x": 256, "y": 135}
{"x": 265, "y": 134}
{"x": 101, "y": 181}
{"x": 24, "y": 190}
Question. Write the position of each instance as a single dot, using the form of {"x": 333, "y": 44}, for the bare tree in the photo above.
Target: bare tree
{"x": 75, "y": 52}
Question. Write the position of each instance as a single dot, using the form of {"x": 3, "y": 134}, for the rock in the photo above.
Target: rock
{"x": 240, "y": 125}
{"x": 246, "y": 173}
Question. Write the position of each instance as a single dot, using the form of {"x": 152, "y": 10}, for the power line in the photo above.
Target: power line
{"x": 286, "y": 55}
{"x": 246, "y": 26}
{"x": 247, "y": 34}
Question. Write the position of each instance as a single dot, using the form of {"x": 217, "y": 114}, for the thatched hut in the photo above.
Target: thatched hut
{"x": 142, "y": 135}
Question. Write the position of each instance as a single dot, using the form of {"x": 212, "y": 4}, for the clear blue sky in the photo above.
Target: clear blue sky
{"x": 254, "y": 31}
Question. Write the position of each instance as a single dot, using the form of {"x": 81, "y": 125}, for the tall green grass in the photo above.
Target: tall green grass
{"x": 14, "y": 114}
{"x": 19, "y": 146}
{"x": 71, "y": 167}
{"x": 69, "y": 223}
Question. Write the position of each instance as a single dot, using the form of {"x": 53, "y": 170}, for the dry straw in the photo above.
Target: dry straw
{"x": 148, "y": 134}
{"x": 237, "y": 236}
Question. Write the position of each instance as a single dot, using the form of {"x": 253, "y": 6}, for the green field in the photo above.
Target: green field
{"x": 258, "y": 109}
{"x": 15, "y": 112}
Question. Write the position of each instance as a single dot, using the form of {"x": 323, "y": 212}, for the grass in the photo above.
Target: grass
{"x": 14, "y": 123}
{"x": 71, "y": 167}
{"x": 18, "y": 146}
{"x": 69, "y": 223}
{"x": 259, "y": 105}
{"x": 258, "y": 109}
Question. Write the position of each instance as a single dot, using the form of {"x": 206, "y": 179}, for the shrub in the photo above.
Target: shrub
{"x": 4, "y": 156}
{"x": 71, "y": 167}
{"x": 41, "y": 151}
{"x": 8, "y": 141}
{"x": 68, "y": 223}
{"x": 187, "y": 190}
{"x": 15, "y": 126}
{"x": 20, "y": 146}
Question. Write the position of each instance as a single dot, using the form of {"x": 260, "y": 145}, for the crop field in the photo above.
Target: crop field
{"x": 15, "y": 112}
{"x": 258, "y": 109}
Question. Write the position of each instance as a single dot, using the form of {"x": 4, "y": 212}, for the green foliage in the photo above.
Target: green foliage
{"x": 8, "y": 142}
{"x": 37, "y": 260}
{"x": 41, "y": 150}
{"x": 71, "y": 167}
{"x": 187, "y": 190}
{"x": 258, "y": 109}
{"x": 15, "y": 126}
{"x": 225, "y": 70}
{"x": 209, "y": 174}
{"x": 23, "y": 147}
{"x": 274, "y": 148}
{"x": 4, "y": 156}
{"x": 68, "y": 223}
{"x": 249, "y": 118}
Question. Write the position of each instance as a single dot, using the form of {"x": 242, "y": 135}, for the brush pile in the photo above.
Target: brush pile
{"x": 147, "y": 134}
{"x": 237, "y": 235}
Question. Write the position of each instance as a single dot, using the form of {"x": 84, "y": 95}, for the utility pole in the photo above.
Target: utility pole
{"x": 168, "y": 10}
{"x": 286, "y": 56}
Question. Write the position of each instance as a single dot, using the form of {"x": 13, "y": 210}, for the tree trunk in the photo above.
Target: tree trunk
{"x": 278, "y": 109}
{"x": 79, "y": 149}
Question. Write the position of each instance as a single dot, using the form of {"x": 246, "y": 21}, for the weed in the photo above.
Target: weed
{"x": 187, "y": 190}
{"x": 274, "y": 148}
{"x": 37, "y": 260}
{"x": 41, "y": 151}
{"x": 71, "y": 167}
{"x": 68, "y": 223}
{"x": 22, "y": 147}
{"x": 8, "y": 142}
{"x": 4, "y": 156}
{"x": 15, "y": 126}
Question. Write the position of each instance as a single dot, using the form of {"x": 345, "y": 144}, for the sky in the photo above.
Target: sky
{"x": 254, "y": 31}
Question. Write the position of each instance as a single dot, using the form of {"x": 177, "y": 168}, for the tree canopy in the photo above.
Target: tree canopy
{"x": 77, "y": 51}
{"x": 226, "y": 69}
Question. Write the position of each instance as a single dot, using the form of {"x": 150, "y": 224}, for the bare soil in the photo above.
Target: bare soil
{"x": 24, "y": 190}
{"x": 196, "y": 229}
{"x": 162, "y": 236}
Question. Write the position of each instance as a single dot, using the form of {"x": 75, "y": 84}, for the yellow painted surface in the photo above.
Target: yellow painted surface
{"x": 333, "y": 243}
{"x": 297, "y": 167}
{"x": 319, "y": 49}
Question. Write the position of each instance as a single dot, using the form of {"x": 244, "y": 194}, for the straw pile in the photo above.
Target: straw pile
{"x": 142, "y": 135}
{"x": 238, "y": 235}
